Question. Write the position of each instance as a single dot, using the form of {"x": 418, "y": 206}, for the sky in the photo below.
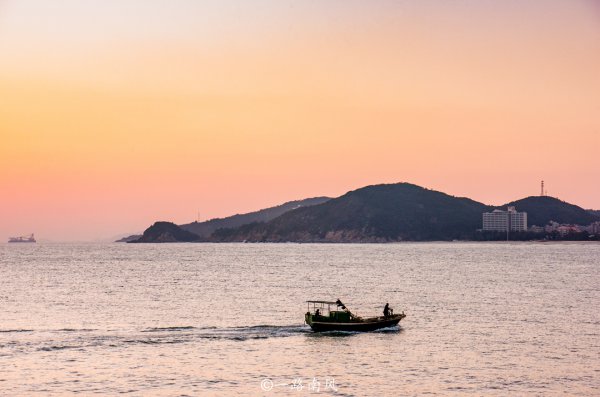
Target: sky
{"x": 118, "y": 113}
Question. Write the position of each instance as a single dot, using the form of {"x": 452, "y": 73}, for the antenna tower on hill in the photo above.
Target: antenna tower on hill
{"x": 542, "y": 192}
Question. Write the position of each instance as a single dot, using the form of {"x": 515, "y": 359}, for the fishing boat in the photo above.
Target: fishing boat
{"x": 320, "y": 317}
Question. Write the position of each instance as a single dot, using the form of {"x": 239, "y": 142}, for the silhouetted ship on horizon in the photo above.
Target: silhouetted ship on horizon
{"x": 22, "y": 239}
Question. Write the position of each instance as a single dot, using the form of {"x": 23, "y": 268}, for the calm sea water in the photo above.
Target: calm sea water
{"x": 227, "y": 319}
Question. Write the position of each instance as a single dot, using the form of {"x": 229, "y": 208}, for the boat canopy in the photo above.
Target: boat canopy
{"x": 324, "y": 307}
{"x": 324, "y": 302}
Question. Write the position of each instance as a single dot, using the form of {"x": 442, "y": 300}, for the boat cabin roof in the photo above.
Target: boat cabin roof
{"x": 325, "y": 302}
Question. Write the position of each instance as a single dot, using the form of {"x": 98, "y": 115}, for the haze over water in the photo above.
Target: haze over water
{"x": 204, "y": 319}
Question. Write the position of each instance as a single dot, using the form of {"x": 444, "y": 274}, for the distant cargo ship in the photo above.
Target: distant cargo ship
{"x": 22, "y": 239}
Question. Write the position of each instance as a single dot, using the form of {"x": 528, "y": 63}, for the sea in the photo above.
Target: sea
{"x": 483, "y": 319}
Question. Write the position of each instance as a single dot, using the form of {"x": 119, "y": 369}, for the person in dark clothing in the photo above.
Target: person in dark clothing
{"x": 386, "y": 310}
{"x": 317, "y": 313}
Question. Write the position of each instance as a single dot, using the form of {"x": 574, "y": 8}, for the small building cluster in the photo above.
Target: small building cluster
{"x": 513, "y": 221}
{"x": 565, "y": 229}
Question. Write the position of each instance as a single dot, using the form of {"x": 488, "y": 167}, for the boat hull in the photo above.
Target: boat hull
{"x": 22, "y": 239}
{"x": 366, "y": 325}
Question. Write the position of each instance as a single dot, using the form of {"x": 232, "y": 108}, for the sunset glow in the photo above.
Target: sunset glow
{"x": 115, "y": 114}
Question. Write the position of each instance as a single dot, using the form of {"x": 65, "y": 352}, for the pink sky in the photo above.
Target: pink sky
{"x": 116, "y": 114}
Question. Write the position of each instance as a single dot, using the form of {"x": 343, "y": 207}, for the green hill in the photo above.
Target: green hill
{"x": 126, "y": 239}
{"x": 166, "y": 232}
{"x": 543, "y": 209}
{"x": 379, "y": 213}
{"x": 205, "y": 229}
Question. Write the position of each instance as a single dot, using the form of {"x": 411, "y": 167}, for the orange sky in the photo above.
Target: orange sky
{"x": 115, "y": 114}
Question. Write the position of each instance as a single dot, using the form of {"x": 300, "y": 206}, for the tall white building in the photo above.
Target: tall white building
{"x": 502, "y": 221}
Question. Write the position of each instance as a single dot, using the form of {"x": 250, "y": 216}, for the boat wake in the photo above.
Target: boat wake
{"x": 396, "y": 329}
{"x": 8, "y": 331}
{"x": 171, "y": 329}
{"x": 388, "y": 330}
{"x": 85, "y": 339}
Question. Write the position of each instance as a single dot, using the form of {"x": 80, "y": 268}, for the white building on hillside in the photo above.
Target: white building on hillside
{"x": 502, "y": 221}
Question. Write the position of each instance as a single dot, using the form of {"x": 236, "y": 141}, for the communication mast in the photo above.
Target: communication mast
{"x": 543, "y": 193}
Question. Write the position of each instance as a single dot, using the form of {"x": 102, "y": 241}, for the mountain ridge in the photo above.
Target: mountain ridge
{"x": 166, "y": 232}
{"x": 206, "y": 228}
{"x": 594, "y": 212}
{"x": 374, "y": 214}
{"x": 543, "y": 209}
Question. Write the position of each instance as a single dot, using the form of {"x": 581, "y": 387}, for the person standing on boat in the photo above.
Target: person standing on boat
{"x": 386, "y": 310}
